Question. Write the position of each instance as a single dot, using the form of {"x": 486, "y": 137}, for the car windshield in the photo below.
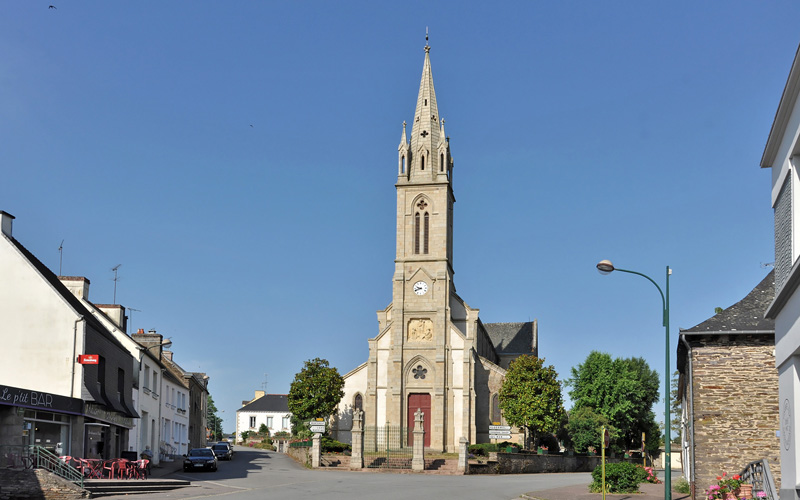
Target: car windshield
{"x": 200, "y": 452}
{"x": 221, "y": 447}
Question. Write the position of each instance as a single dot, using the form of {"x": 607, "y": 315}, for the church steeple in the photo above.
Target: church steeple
{"x": 425, "y": 130}
{"x": 426, "y": 158}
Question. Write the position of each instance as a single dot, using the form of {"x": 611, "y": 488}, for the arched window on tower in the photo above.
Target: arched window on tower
{"x": 422, "y": 163}
{"x": 425, "y": 240}
{"x": 403, "y": 165}
{"x": 441, "y": 162}
{"x": 416, "y": 233}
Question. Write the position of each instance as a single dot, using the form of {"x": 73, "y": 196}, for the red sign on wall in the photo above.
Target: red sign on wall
{"x": 89, "y": 359}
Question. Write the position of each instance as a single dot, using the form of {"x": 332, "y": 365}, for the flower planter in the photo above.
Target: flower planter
{"x": 512, "y": 449}
{"x": 540, "y": 452}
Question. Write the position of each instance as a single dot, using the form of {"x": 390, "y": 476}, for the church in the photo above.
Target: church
{"x": 431, "y": 351}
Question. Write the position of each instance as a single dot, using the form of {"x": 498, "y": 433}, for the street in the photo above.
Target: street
{"x": 256, "y": 474}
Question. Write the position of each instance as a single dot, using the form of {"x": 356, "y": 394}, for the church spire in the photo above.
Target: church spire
{"x": 425, "y": 131}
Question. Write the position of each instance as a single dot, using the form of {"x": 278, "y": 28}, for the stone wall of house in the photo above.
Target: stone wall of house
{"x": 736, "y": 407}
{"x": 301, "y": 455}
{"x": 37, "y": 485}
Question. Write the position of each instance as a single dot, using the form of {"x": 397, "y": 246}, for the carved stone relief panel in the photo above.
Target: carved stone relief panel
{"x": 420, "y": 330}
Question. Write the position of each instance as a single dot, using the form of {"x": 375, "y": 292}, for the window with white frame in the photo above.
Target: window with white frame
{"x": 252, "y": 422}
{"x": 269, "y": 422}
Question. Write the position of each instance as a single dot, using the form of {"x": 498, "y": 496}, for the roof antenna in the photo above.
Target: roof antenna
{"x": 115, "y": 268}
{"x": 264, "y": 384}
{"x": 130, "y": 317}
{"x": 60, "y": 256}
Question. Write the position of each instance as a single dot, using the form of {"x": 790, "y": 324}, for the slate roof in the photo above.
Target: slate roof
{"x": 747, "y": 315}
{"x": 511, "y": 338}
{"x": 270, "y": 402}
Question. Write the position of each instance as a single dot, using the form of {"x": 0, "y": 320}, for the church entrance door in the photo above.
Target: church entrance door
{"x": 421, "y": 402}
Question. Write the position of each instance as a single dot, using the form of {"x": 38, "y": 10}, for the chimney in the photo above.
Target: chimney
{"x": 167, "y": 354}
{"x": 149, "y": 339}
{"x": 259, "y": 394}
{"x": 78, "y": 285}
{"x": 116, "y": 313}
{"x": 6, "y": 222}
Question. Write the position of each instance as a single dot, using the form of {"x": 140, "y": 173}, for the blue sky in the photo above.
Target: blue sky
{"x": 239, "y": 158}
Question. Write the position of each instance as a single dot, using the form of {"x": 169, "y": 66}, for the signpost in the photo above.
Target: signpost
{"x": 317, "y": 426}
{"x": 499, "y": 432}
{"x": 606, "y": 441}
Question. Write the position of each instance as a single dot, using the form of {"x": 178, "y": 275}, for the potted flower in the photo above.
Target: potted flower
{"x": 591, "y": 451}
{"x": 729, "y": 488}
{"x": 542, "y": 450}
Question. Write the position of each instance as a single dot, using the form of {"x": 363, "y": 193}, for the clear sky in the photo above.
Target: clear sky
{"x": 239, "y": 159}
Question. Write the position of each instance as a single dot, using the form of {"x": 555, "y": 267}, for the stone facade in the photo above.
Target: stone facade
{"x": 37, "y": 484}
{"x": 735, "y": 387}
{"x": 728, "y": 387}
{"x": 432, "y": 352}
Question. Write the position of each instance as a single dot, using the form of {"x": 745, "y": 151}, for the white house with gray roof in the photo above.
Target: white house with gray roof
{"x": 271, "y": 410}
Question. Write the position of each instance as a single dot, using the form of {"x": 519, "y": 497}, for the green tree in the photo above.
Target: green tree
{"x": 212, "y": 420}
{"x": 263, "y": 430}
{"x": 315, "y": 391}
{"x": 622, "y": 390}
{"x": 531, "y": 396}
{"x": 584, "y": 429}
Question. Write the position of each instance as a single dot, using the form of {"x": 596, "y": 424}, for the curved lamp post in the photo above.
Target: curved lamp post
{"x": 606, "y": 267}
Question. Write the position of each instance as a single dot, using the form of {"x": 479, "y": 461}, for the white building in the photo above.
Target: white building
{"x": 51, "y": 394}
{"x": 782, "y": 155}
{"x": 271, "y": 410}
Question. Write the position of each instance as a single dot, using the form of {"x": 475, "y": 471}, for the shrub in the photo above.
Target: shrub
{"x": 483, "y": 449}
{"x": 549, "y": 442}
{"x": 681, "y": 486}
{"x": 332, "y": 446}
{"x": 621, "y": 477}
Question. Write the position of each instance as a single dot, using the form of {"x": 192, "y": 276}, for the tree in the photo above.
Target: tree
{"x": 212, "y": 420}
{"x": 622, "y": 390}
{"x": 531, "y": 396}
{"x": 315, "y": 391}
{"x": 584, "y": 429}
{"x": 263, "y": 430}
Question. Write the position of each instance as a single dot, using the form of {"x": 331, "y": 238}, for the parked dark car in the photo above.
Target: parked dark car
{"x": 200, "y": 459}
{"x": 222, "y": 451}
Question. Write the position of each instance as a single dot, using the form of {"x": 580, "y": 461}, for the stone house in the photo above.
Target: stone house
{"x": 728, "y": 387}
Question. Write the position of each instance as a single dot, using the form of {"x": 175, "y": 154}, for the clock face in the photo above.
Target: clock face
{"x": 420, "y": 288}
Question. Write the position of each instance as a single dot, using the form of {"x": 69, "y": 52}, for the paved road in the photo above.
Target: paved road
{"x": 256, "y": 474}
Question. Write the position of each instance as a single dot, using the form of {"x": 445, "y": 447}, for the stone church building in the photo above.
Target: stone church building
{"x": 431, "y": 352}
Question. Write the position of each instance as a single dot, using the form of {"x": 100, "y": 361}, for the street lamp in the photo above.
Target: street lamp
{"x": 606, "y": 267}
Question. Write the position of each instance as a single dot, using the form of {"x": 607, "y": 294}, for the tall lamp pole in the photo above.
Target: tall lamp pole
{"x": 606, "y": 267}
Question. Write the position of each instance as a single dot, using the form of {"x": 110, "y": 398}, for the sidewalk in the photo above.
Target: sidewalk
{"x": 165, "y": 468}
{"x": 581, "y": 492}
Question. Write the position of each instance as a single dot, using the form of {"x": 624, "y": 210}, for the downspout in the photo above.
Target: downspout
{"x": 691, "y": 414}
{"x": 74, "y": 355}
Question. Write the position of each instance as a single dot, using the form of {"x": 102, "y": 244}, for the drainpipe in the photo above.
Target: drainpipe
{"x": 74, "y": 355}
{"x": 691, "y": 414}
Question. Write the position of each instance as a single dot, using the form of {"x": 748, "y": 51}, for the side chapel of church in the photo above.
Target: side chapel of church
{"x": 432, "y": 352}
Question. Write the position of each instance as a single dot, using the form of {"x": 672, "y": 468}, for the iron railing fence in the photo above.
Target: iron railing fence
{"x": 758, "y": 474}
{"x": 387, "y": 447}
{"x": 23, "y": 457}
{"x": 306, "y": 443}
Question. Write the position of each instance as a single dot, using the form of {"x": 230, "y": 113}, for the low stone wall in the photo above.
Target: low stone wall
{"x": 301, "y": 455}
{"x": 37, "y": 485}
{"x": 524, "y": 463}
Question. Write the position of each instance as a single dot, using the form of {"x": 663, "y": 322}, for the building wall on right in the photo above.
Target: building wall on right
{"x": 782, "y": 155}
